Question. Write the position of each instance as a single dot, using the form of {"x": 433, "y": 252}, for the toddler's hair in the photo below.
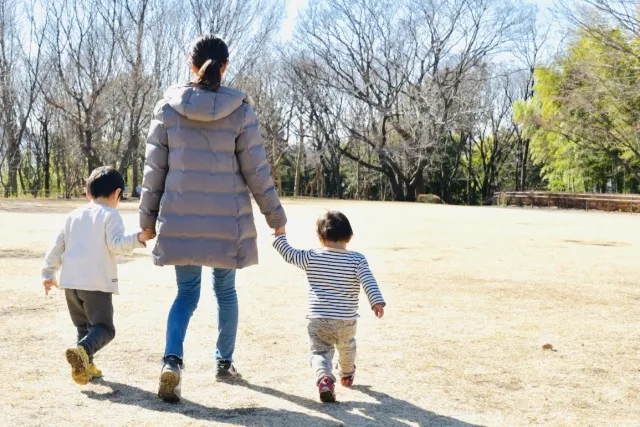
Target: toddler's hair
{"x": 334, "y": 226}
{"x": 104, "y": 181}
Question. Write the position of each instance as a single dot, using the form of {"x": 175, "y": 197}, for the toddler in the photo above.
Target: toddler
{"x": 86, "y": 249}
{"x": 335, "y": 276}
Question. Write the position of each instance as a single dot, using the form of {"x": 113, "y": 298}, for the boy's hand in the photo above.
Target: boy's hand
{"x": 378, "y": 310}
{"x": 146, "y": 235}
{"x": 279, "y": 231}
{"x": 48, "y": 285}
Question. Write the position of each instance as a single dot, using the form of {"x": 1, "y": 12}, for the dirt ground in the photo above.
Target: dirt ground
{"x": 473, "y": 294}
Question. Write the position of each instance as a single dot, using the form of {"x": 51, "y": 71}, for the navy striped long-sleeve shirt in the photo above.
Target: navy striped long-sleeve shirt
{"x": 335, "y": 277}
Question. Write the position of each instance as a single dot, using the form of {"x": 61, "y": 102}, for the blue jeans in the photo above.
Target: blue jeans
{"x": 189, "y": 278}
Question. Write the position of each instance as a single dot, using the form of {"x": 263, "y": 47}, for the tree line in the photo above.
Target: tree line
{"x": 370, "y": 99}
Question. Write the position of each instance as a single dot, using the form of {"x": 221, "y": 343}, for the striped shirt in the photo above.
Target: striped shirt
{"x": 335, "y": 277}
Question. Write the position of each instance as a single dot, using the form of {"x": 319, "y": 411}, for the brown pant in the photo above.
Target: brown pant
{"x": 92, "y": 315}
{"x": 326, "y": 335}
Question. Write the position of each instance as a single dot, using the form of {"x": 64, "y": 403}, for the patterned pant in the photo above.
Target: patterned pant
{"x": 325, "y": 336}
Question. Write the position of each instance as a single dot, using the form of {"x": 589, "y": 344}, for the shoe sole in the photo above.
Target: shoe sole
{"x": 227, "y": 376}
{"x": 168, "y": 383}
{"x": 78, "y": 370}
{"x": 347, "y": 384}
{"x": 327, "y": 397}
{"x": 223, "y": 378}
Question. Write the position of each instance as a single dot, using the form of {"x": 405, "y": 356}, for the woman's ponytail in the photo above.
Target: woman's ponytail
{"x": 210, "y": 75}
{"x": 209, "y": 54}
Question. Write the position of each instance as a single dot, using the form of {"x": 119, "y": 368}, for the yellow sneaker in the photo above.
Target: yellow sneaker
{"x": 79, "y": 361}
{"x": 94, "y": 371}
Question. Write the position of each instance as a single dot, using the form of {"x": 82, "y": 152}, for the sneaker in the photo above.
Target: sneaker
{"x": 225, "y": 370}
{"x": 326, "y": 390}
{"x": 170, "y": 380}
{"x": 347, "y": 380}
{"x": 79, "y": 361}
{"x": 94, "y": 371}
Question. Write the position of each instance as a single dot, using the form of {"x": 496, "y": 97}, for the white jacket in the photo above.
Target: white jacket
{"x": 86, "y": 248}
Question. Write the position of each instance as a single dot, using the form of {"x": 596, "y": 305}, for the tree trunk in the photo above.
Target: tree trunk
{"x": 47, "y": 159}
{"x": 470, "y": 198}
{"x": 13, "y": 155}
{"x": 135, "y": 176}
{"x": 525, "y": 159}
{"x": 357, "y": 196}
{"x": 396, "y": 188}
{"x": 58, "y": 177}
{"x": 88, "y": 148}
{"x": 22, "y": 186}
{"x": 299, "y": 158}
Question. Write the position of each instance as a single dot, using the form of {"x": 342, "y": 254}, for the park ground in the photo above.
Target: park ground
{"x": 473, "y": 294}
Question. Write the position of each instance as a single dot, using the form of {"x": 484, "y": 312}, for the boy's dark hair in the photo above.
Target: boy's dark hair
{"x": 104, "y": 181}
{"x": 334, "y": 226}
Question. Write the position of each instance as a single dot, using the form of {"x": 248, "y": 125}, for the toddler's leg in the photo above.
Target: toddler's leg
{"x": 347, "y": 348}
{"x": 322, "y": 339}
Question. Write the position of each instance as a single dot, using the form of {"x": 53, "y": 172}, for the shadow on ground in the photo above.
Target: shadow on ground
{"x": 20, "y": 254}
{"x": 133, "y": 396}
{"x": 386, "y": 411}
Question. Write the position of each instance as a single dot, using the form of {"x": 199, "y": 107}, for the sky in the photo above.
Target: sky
{"x": 293, "y": 7}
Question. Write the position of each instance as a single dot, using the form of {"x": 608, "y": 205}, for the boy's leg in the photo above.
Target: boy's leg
{"x": 78, "y": 317}
{"x": 322, "y": 340}
{"x": 188, "y": 278}
{"x": 76, "y": 311}
{"x": 347, "y": 347}
{"x": 98, "y": 307}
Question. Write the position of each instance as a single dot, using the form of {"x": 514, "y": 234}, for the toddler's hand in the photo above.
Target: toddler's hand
{"x": 48, "y": 285}
{"x": 279, "y": 231}
{"x": 378, "y": 310}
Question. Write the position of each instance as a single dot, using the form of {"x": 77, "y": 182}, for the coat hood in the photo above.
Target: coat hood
{"x": 195, "y": 102}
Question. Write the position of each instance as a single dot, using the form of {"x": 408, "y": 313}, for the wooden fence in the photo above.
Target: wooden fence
{"x": 587, "y": 201}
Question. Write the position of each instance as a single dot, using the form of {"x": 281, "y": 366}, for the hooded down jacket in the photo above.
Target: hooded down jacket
{"x": 204, "y": 157}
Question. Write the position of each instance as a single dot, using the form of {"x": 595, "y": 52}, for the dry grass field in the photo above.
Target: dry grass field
{"x": 473, "y": 294}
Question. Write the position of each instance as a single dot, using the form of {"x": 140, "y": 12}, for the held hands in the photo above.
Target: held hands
{"x": 146, "y": 235}
{"x": 378, "y": 310}
{"x": 279, "y": 231}
{"x": 49, "y": 284}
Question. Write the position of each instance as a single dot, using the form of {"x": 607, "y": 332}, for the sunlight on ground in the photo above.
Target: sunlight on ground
{"x": 473, "y": 294}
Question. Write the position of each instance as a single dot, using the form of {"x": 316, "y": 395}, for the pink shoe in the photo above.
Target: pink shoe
{"x": 327, "y": 390}
{"x": 347, "y": 381}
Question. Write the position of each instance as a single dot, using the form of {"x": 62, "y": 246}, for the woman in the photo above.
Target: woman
{"x": 204, "y": 155}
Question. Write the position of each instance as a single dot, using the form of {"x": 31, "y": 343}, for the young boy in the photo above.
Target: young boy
{"x": 335, "y": 276}
{"x": 86, "y": 249}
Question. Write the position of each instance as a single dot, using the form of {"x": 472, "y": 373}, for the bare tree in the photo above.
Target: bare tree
{"x": 272, "y": 99}
{"x": 83, "y": 41}
{"x": 404, "y": 64}
{"x": 20, "y": 69}
{"x": 132, "y": 31}
{"x": 247, "y": 26}
{"x": 529, "y": 49}
{"x": 595, "y": 18}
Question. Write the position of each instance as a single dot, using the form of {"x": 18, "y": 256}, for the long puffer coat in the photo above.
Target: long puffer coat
{"x": 204, "y": 157}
